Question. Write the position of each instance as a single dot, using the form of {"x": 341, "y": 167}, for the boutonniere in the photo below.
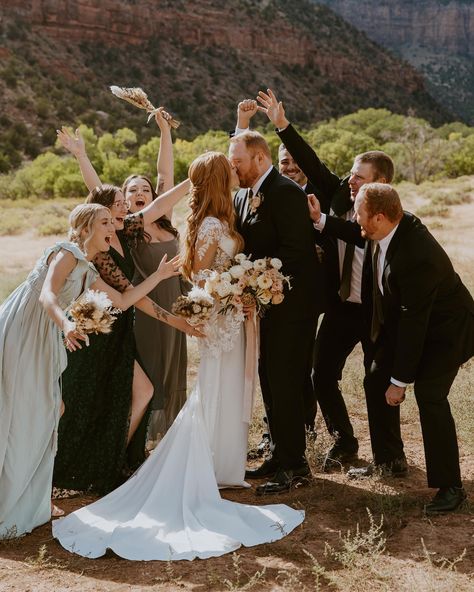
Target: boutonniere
{"x": 255, "y": 202}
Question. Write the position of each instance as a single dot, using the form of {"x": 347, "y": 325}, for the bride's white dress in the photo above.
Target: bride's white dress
{"x": 171, "y": 508}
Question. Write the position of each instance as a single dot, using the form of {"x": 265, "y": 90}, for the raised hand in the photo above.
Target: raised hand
{"x": 273, "y": 108}
{"x": 314, "y": 208}
{"x": 246, "y": 109}
{"x": 73, "y": 143}
{"x": 163, "y": 119}
{"x": 167, "y": 269}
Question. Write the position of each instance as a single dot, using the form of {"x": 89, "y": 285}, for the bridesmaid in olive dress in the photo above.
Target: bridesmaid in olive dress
{"x": 161, "y": 348}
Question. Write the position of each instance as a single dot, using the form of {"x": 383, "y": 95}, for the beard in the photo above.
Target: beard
{"x": 249, "y": 178}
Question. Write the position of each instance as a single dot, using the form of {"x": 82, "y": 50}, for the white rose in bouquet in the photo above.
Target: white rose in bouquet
{"x": 226, "y": 276}
{"x": 260, "y": 265}
{"x": 240, "y": 258}
{"x": 236, "y": 271}
{"x": 265, "y": 296}
{"x": 276, "y": 263}
{"x": 264, "y": 282}
{"x": 223, "y": 289}
{"x": 197, "y": 308}
{"x": 253, "y": 281}
{"x": 247, "y": 265}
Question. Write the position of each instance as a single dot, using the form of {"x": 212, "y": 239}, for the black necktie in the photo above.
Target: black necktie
{"x": 377, "y": 311}
{"x": 345, "y": 287}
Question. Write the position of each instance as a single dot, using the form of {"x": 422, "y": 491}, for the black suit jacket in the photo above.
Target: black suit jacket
{"x": 333, "y": 193}
{"x": 428, "y": 312}
{"x": 281, "y": 228}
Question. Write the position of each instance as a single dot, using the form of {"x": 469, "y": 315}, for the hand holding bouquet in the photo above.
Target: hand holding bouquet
{"x": 92, "y": 312}
{"x": 246, "y": 283}
{"x": 195, "y": 307}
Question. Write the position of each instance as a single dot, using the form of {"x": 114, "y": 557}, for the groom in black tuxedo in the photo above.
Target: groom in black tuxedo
{"x": 420, "y": 318}
{"x": 280, "y": 227}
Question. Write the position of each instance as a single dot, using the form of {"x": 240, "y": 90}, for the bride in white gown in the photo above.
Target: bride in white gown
{"x": 171, "y": 509}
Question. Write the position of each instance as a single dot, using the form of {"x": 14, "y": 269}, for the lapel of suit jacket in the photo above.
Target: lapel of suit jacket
{"x": 404, "y": 226}
{"x": 272, "y": 175}
{"x": 239, "y": 205}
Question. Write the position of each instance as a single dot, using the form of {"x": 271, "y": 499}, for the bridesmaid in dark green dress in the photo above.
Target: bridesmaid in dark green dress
{"x": 103, "y": 431}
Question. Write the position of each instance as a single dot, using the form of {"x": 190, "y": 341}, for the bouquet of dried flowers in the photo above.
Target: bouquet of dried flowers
{"x": 93, "y": 312}
{"x": 138, "y": 97}
{"x": 195, "y": 307}
{"x": 258, "y": 283}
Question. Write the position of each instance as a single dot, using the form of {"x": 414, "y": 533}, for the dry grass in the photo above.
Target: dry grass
{"x": 357, "y": 537}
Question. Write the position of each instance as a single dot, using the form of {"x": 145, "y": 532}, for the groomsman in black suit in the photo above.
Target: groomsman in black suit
{"x": 279, "y": 226}
{"x": 343, "y": 325}
{"x": 420, "y": 318}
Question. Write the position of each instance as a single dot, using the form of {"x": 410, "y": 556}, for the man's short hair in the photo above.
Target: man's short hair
{"x": 381, "y": 198}
{"x": 381, "y": 163}
{"x": 253, "y": 142}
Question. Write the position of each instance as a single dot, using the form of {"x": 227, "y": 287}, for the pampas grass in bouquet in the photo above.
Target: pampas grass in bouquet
{"x": 93, "y": 312}
{"x": 138, "y": 97}
{"x": 195, "y": 307}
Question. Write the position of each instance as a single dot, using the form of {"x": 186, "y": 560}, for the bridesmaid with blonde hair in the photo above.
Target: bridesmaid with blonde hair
{"x": 34, "y": 333}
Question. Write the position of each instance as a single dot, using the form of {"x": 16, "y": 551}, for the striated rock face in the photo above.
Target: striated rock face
{"x": 446, "y": 25}
{"x": 435, "y": 36}
{"x": 198, "y": 58}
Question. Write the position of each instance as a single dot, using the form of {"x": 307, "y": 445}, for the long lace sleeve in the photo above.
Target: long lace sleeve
{"x": 110, "y": 272}
{"x": 209, "y": 234}
{"x": 134, "y": 229}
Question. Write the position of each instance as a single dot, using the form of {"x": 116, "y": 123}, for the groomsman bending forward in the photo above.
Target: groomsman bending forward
{"x": 277, "y": 225}
{"x": 421, "y": 322}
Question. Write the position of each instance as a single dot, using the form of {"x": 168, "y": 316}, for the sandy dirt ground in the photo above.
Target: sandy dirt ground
{"x": 420, "y": 553}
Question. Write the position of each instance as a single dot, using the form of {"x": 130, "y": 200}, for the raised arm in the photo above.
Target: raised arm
{"x": 128, "y": 298}
{"x": 76, "y": 146}
{"x": 164, "y": 163}
{"x": 325, "y": 181}
{"x": 246, "y": 109}
{"x": 111, "y": 273}
{"x": 165, "y": 202}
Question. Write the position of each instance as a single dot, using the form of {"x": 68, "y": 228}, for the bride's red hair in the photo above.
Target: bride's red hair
{"x": 210, "y": 175}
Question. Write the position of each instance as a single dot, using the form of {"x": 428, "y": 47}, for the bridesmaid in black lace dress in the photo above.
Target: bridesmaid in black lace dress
{"x": 105, "y": 390}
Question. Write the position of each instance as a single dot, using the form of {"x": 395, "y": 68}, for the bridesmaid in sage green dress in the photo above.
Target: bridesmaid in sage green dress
{"x": 33, "y": 356}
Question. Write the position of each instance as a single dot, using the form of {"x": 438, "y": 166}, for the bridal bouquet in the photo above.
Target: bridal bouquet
{"x": 195, "y": 307}
{"x": 93, "y": 312}
{"x": 258, "y": 283}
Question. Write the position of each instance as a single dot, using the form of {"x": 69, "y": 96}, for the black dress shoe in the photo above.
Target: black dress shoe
{"x": 336, "y": 457}
{"x": 267, "y": 469}
{"x": 446, "y": 500}
{"x": 396, "y": 468}
{"x": 284, "y": 480}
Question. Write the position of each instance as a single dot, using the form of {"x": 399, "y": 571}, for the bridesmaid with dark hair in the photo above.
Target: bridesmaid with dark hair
{"x": 105, "y": 389}
{"x": 161, "y": 348}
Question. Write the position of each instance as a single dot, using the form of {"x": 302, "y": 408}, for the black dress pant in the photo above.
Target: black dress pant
{"x": 342, "y": 328}
{"x": 438, "y": 429}
{"x": 285, "y": 360}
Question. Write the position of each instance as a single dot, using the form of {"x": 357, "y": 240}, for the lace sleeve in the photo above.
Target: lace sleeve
{"x": 133, "y": 229}
{"x": 110, "y": 272}
{"x": 209, "y": 233}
